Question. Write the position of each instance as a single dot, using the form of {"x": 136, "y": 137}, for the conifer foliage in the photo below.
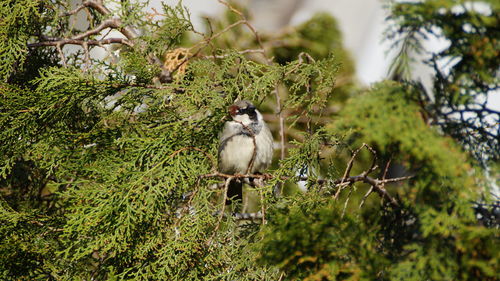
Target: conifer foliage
{"x": 108, "y": 167}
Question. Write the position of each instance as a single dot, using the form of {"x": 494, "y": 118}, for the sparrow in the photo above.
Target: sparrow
{"x": 237, "y": 146}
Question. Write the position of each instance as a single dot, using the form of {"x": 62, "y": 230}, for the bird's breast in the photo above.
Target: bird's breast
{"x": 235, "y": 154}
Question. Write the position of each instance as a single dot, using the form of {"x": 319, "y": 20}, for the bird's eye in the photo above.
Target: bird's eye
{"x": 250, "y": 111}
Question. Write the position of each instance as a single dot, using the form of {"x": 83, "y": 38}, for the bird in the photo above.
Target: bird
{"x": 245, "y": 133}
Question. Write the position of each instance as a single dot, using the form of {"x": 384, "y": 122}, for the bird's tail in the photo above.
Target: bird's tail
{"x": 235, "y": 191}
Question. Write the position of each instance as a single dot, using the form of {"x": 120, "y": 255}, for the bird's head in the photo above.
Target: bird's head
{"x": 244, "y": 112}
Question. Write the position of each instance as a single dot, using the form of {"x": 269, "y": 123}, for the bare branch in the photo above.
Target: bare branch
{"x": 61, "y": 42}
{"x": 109, "y": 23}
{"x": 61, "y": 54}
{"x": 86, "y": 57}
{"x": 246, "y": 22}
{"x": 226, "y": 187}
{"x": 78, "y": 39}
{"x": 379, "y": 188}
{"x": 373, "y": 166}
{"x": 300, "y": 62}
{"x": 279, "y": 111}
{"x": 348, "y": 170}
{"x": 99, "y": 6}
{"x": 262, "y": 207}
{"x": 348, "y": 180}
{"x": 225, "y": 176}
{"x": 205, "y": 42}
{"x": 113, "y": 23}
{"x": 372, "y": 187}
{"x": 75, "y": 10}
{"x": 346, "y": 202}
{"x": 396, "y": 179}
{"x": 376, "y": 183}
{"x": 94, "y": 4}
{"x": 366, "y": 196}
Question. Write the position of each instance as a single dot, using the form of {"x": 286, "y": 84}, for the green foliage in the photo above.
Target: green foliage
{"x": 467, "y": 71}
{"x": 321, "y": 38}
{"x": 307, "y": 238}
{"x": 163, "y": 33}
{"x": 18, "y": 22}
{"x": 139, "y": 67}
{"x": 439, "y": 191}
{"x": 100, "y": 162}
{"x": 385, "y": 118}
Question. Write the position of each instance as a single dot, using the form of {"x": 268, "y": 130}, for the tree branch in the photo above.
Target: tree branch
{"x": 348, "y": 170}
{"x": 113, "y": 23}
{"x": 376, "y": 183}
{"x": 61, "y": 42}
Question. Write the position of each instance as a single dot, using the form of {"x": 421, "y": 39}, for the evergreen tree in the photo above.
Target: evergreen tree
{"x": 108, "y": 167}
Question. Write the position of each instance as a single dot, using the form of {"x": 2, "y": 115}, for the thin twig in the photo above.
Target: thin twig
{"x": 109, "y": 23}
{"x": 114, "y": 23}
{"x": 262, "y": 207}
{"x": 281, "y": 119}
{"x": 373, "y": 166}
{"x": 224, "y": 30}
{"x": 226, "y": 188}
{"x": 300, "y": 62}
{"x": 366, "y": 196}
{"x": 125, "y": 30}
{"x": 346, "y": 202}
{"x": 338, "y": 182}
{"x": 225, "y": 176}
{"x": 246, "y": 22}
{"x": 86, "y": 55}
{"x": 61, "y": 42}
{"x": 348, "y": 170}
{"x": 75, "y": 10}
{"x": 205, "y": 42}
{"x": 348, "y": 180}
{"x": 386, "y": 168}
{"x": 372, "y": 187}
{"x": 377, "y": 185}
{"x": 61, "y": 54}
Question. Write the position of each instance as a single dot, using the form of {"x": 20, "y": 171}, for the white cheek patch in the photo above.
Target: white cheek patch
{"x": 243, "y": 119}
